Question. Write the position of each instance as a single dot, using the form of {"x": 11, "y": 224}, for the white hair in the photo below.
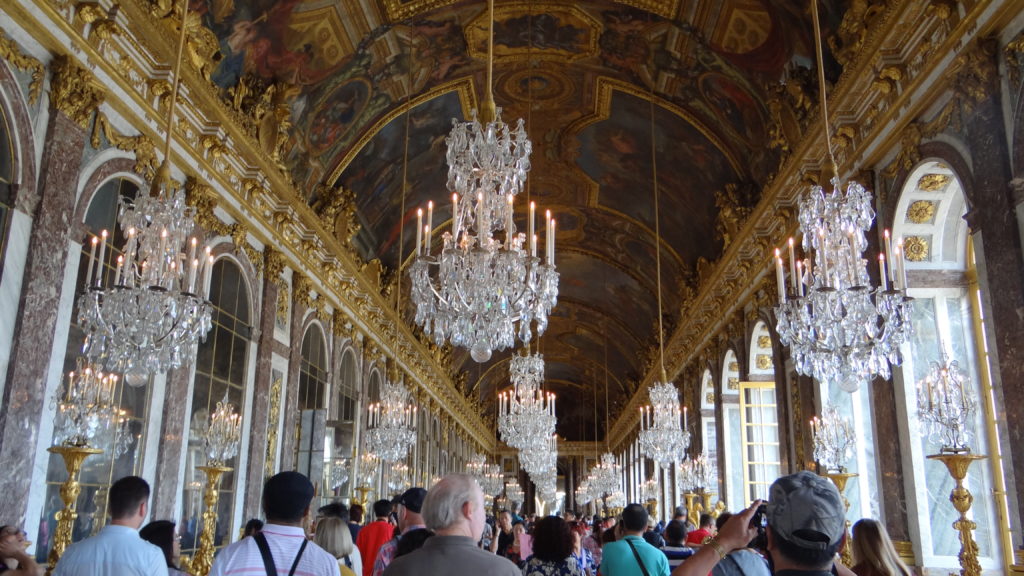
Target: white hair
{"x": 442, "y": 507}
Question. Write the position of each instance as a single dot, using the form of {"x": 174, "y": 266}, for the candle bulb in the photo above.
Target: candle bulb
{"x": 419, "y": 230}
{"x": 800, "y": 280}
{"x": 779, "y": 277}
{"x": 455, "y": 218}
{"x": 792, "y": 267}
{"x": 120, "y": 267}
{"x": 530, "y": 229}
{"x": 901, "y": 256}
{"x": 888, "y": 252}
{"x": 192, "y": 276}
{"x": 551, "y": 242}
{"x": 881, "y": 272}
{"x": 99, "y": 263}
{"x": 426, "y": 240}
{"x": 92, "y": 262}
{"x": 508, "y": 224}
{"x": 430, "y": 216}
{"x": 480, "y": 228}
{"x": 686, "y": 420}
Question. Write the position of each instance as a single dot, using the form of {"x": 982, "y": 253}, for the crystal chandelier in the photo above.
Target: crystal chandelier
{"x": 650, "y": 490}
{"x": 946, "y": 406}
{"x": 398, "y": 477}
{"x": 368, "y": 463}
{"x": 485, "y": 283}
{"x": 339, "y": 472}
{"x": 526, "y": 414}
{"x": 833, "y": 438}
{"x": 839, "y": 327}
{"x": 664, "y": 428}
{"x": 156, "y": 308}
{"x": 391, "y": 423}
{"x": 606, "y": 477}
{"x": 547, "y": 486}
{"x": 583, "y": 494}
{"x": 540, "y": 460}
{"x": 223, "y": 433}
{"x": 476, "y": 466}
{"x": 514, "y": 494}
{"x": 493, "y": 481}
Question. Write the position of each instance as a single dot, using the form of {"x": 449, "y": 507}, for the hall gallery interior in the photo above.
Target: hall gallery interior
{"x": 545, "y": 243}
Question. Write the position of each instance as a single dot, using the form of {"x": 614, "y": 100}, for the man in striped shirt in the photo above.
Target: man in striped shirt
{"x": 286, "y": 498}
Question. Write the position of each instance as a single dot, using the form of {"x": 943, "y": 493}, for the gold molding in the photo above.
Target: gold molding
{"x": 476, "y": 28}
{"x": 74, "y": 91}
{"x": 934, "y": 182}
{"x": 140, "y": 145}
{"x": 12, "y": 53}
{"x": 916, "y": 248}
{"x": 921, "y": 211}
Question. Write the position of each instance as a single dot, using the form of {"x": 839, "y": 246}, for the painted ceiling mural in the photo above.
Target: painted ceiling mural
{"x": 583, "y": 75}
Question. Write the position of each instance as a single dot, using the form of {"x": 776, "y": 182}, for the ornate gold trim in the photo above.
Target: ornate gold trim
{"x": 74, "y": 91}
{"x": 140, "y": 145}
{"x": 12, "y": 53}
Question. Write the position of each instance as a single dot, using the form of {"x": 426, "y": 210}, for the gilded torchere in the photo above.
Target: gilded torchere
{"x": 840, "y": 479}
{"x": 211, "y": 495}
{"x": 73, "y": 457}
{"x": 957, "y": 464}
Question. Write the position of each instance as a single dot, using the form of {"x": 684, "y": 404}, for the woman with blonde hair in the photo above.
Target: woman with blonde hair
{"x": 873, "y": 551}
{"x": 333, "y": 535}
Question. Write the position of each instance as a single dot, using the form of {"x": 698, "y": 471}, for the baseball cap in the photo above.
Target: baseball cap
{"x": 807, "y": 510}
{"x": 286, "y": 496}
{"x": 412, "y": 499}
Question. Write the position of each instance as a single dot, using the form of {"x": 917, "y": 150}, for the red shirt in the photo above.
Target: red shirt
{"x": 370, "y": 539}
{"x": 696, "y": 537}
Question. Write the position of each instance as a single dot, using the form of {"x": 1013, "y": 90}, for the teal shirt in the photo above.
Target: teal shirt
{"x": 618, "y": 560}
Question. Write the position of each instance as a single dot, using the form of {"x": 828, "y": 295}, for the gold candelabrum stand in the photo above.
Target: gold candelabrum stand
{"x": 652, "y": 507}
{"x": 692, "y": 507}
{"x": 706, "y": 507}
{"x": 957, "y": 463}
{"x": 73, "y": 457}
{"x": 363, "y": 491}
{"x": 203, "y": 559}
{"x": 840, "y": 479}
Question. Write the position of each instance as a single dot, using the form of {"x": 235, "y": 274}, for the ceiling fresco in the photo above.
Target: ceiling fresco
{"x": 586, "y": 77}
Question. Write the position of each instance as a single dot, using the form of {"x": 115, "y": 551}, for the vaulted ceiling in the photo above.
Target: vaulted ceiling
{"x": 592, "y": 80}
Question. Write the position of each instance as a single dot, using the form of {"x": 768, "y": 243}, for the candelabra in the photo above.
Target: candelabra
{"x": 526, "y": 414}
{"x": 946, "y": 407}
{"x": 833, "y": 439}
{"x": 339, "y": 472}
{"x": 73, "y": 457}
{"x": 606, "y": 478}
{"x": 391, "y": 423}
{"x": 664, "y": 428}
{"x": 485, "y": 285}
{"x": 398, "y": 477}
{"x": 650, "y": 493}
{"x": 698, "y": 478}
{"x": 221, "y": 443}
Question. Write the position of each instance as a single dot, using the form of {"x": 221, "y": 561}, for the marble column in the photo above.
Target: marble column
{"x": 998, "y": 249}
{"x": 258, "y": 424}
{"x": 889, "y": 459}
{"x": 291, "y": 403}
{"x": 173, "y": 434}
{"x": 24, "y": 401}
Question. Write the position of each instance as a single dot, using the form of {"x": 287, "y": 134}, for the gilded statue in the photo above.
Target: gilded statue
{"x": 732, "y": 212}
{"x": 336, "y": 208}
{"x": 849, "y": 38}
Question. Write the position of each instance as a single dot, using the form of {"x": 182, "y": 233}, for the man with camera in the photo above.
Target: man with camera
{"x": 804, "y": 522}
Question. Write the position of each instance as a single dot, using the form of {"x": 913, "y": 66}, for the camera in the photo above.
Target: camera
{"x": 760, "y": 519}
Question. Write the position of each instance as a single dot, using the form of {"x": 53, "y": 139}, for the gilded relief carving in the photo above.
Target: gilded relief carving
{"x": 732, "y": 212}
{"x": 102, "y": 22}
{"x": 273, "y": 416}
{"x": 12, "y": 53}
{"x": 764, "y": 362}
{"x": 933, "y": 182}
{"x": 921, "y": 212}
{"x": 849, "y": 38}
{"x": 73, "y": 90}
{"x": 976, "y": 73}
{"x": 764, "y": 342}
{"x": 142, "y": 146}
{"x": 916, "y": 248}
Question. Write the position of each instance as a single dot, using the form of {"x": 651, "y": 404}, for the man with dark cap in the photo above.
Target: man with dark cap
{"x": 282, "y": 544}
{"x": 409, "y": 505}
{"x": 631, "y": 555}
{"x": 454, "y": 510}
{"x": 806, "y": 526}
{"x": 374, "y": 535}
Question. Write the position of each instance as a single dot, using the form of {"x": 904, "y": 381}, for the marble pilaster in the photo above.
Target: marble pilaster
{"x": 261, "y": 398}
{"x": 889, "y": 459}
{"x": 291, "y": 403}
{"x": 173, "y": 431}
{"x": 24, "y": 394}
{"x": 999, "y": 257}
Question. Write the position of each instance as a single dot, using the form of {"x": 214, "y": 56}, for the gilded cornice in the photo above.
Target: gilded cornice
{"x": 10, "y": 52}
{"x": 879, "y": 122}
{"x": 74, "y": 91}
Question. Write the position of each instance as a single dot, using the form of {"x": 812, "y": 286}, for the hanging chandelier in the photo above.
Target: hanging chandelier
{"x": 484, "y": 282}
{"x": 833, "y": 439}
{"x": 697, "y": 474}
{"x": 148, "y": 319}
{"x": 840, "y": 328}
{"x": 583, "y": 494}
{"x": 606, "y": 477}
{"x": 391, "y": 423}
{"x": 526, "y": 414}
{"x": 540, "y": 460}
{"x": 664, "y": 428}
{"x": 514, "y": 494}
{"x": 946, "y": 406}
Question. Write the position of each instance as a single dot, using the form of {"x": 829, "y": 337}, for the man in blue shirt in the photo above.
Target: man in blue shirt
{"x": 117, "y": 550}
{"x": 631, "y": 555}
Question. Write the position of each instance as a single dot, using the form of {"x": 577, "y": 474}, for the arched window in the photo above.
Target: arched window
{"x": 731, "y": 434}
{"x": 122, "y": 445}
{"x": 6, "y": 182}
{"x": 943, "y": 282}
{"x": 313, "y": 367}
{"x": 221, "y": 372}
{"x": 311, "y": 449}
{"x": 759, "y": 420}
{"x": 708, "y": 431}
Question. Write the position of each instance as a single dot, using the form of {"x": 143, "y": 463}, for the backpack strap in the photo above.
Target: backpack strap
{"x": 268, "y": 558}
{"x": 295, "y": 564}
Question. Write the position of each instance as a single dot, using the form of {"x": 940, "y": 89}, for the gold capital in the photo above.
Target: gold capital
{"x": 74, "y": 91}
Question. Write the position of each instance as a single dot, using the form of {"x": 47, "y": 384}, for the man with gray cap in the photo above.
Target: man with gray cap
{"x": 281, "y": 547}
{"x": 409, "y": 505}
{"x": 454, "y": 510}
{"x": 806, "y": 525}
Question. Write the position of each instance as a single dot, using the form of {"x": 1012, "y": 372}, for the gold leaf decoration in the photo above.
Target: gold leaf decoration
{"x": 73, "y": 90}
{"x": 12, "y": 53}
{"x": 764, "y": 362}
{"x": 921, "y": 212}
{"x": 916, "y": 248}
{"x": 734, "y": 384}
{"x": 933, "y": 182}
{"x": 764, "y": 342}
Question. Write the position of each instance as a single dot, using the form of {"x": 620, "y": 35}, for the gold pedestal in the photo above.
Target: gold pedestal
{"x": 204, "y": 555}
{"x": 652, "y": 507}
{"x": 73, "y": 457}
{"x": 363, "y": 492}
{"x": 906, "y": 551}
{"x": 692, "y": 508}
{"x": 957, "y": 464}
{"x": 840, "y": 479}
{"x": 705, "y": 507}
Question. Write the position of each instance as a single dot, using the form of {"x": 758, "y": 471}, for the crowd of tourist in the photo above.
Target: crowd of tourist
{"x": 798, "y": 531}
